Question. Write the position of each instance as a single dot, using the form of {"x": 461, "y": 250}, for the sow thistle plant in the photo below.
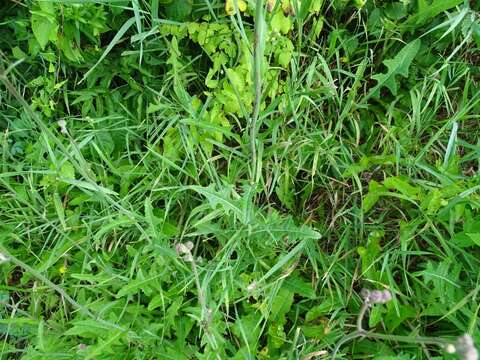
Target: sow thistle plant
{"x": 464, "y": 346}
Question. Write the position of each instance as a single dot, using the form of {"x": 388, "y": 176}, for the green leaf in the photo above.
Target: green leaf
{"x": 88, "y": 328}
{"x": 399, "y": 65}
{"x": 427, "y": 12}
{"x": 44, "y": 28}
{"x": 284, "y": 59}
{"x": 281, "y": 23}
{"x": 172, "y": 315}
{"x": 369, "y": 200}
{"x": 140, "y": 284}
{"x": 67, "y": 171}
{"x": 178, "y": 10}
{"x": 396, "y": 11}
{"x": 476, "y": 33}
{"x": 235, "y": 79}
{"x": 110, "y": 46}
{"x": 276, "y": 335}
{"x": 316, "y": 5}
{"x": 157, "y": 301}
{"x": 284, "y": 260}
{"x": 46, "y": 6}
{"x": 392, "y": 357}
{"x": 18, "y": 53}
{"x": 247, "y": 328}
{"x": 59, "y": 209}
{"x": 327, "y": 306}
{"x": 315, "y": 331}
{"x": 304, "y": 8}
{"x": 284, "y": 190}
{"x": 18, "y": 326}
{"x": 475, "y": 237}
{"x": 172, "y": 144}
{"x": 402, "y": 186}
{"x": 281, "y": 304}
{"x": 223, "y": 197}
{"x": 298, "y": 286}
{"x": 395, "y": 317}
{"x": 370, "y": 253}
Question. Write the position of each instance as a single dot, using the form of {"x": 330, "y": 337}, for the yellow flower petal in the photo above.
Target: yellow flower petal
{"x": 230, "y": 6}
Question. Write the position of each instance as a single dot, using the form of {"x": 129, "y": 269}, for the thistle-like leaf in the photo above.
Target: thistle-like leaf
{"x": 399, "y": 65}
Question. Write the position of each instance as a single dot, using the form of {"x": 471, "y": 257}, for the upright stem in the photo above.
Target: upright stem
{"x": 361, "y": 315}
{"x": 204, "y": 317}
{"x": 257, "y": 62}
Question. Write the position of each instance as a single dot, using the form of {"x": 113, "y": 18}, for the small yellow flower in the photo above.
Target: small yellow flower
{"x": 62, "y": 269}
{"x": 230, "y": 6}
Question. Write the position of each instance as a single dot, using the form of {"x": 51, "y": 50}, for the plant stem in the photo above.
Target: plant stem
{"x": 360, "y": 332}
{"x": 407, "y": 339}
{"x": 258, "y": 50}
{"x": 361, "y": 315}
{"x": 344, "y": 340}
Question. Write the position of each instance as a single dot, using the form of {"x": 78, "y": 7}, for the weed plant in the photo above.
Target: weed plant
{"x": 211, "y": 179}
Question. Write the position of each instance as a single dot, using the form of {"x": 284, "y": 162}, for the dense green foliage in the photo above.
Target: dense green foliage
{"x": 307, "y": 149}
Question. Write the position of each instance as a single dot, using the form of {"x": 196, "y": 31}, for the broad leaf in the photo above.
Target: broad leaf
{"x": 44, "y": 28}
{"x": 399, "y": 65}
{"x": 178, "y": 10}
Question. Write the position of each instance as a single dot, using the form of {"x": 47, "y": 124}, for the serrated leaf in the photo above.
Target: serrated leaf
{"x": 88, "y": 328}
{"x": 135, "y": 286}
{"x": 18, "y": 326}
{"x": 402, "y": 186}
{"x": 399, "y": 65}
{"x": 223, "y": 197}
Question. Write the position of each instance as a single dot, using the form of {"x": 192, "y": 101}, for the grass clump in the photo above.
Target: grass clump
{"x": 218, "y": 179}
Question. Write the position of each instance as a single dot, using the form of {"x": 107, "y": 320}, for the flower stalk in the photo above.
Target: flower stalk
{"x": 464, "y": 346}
